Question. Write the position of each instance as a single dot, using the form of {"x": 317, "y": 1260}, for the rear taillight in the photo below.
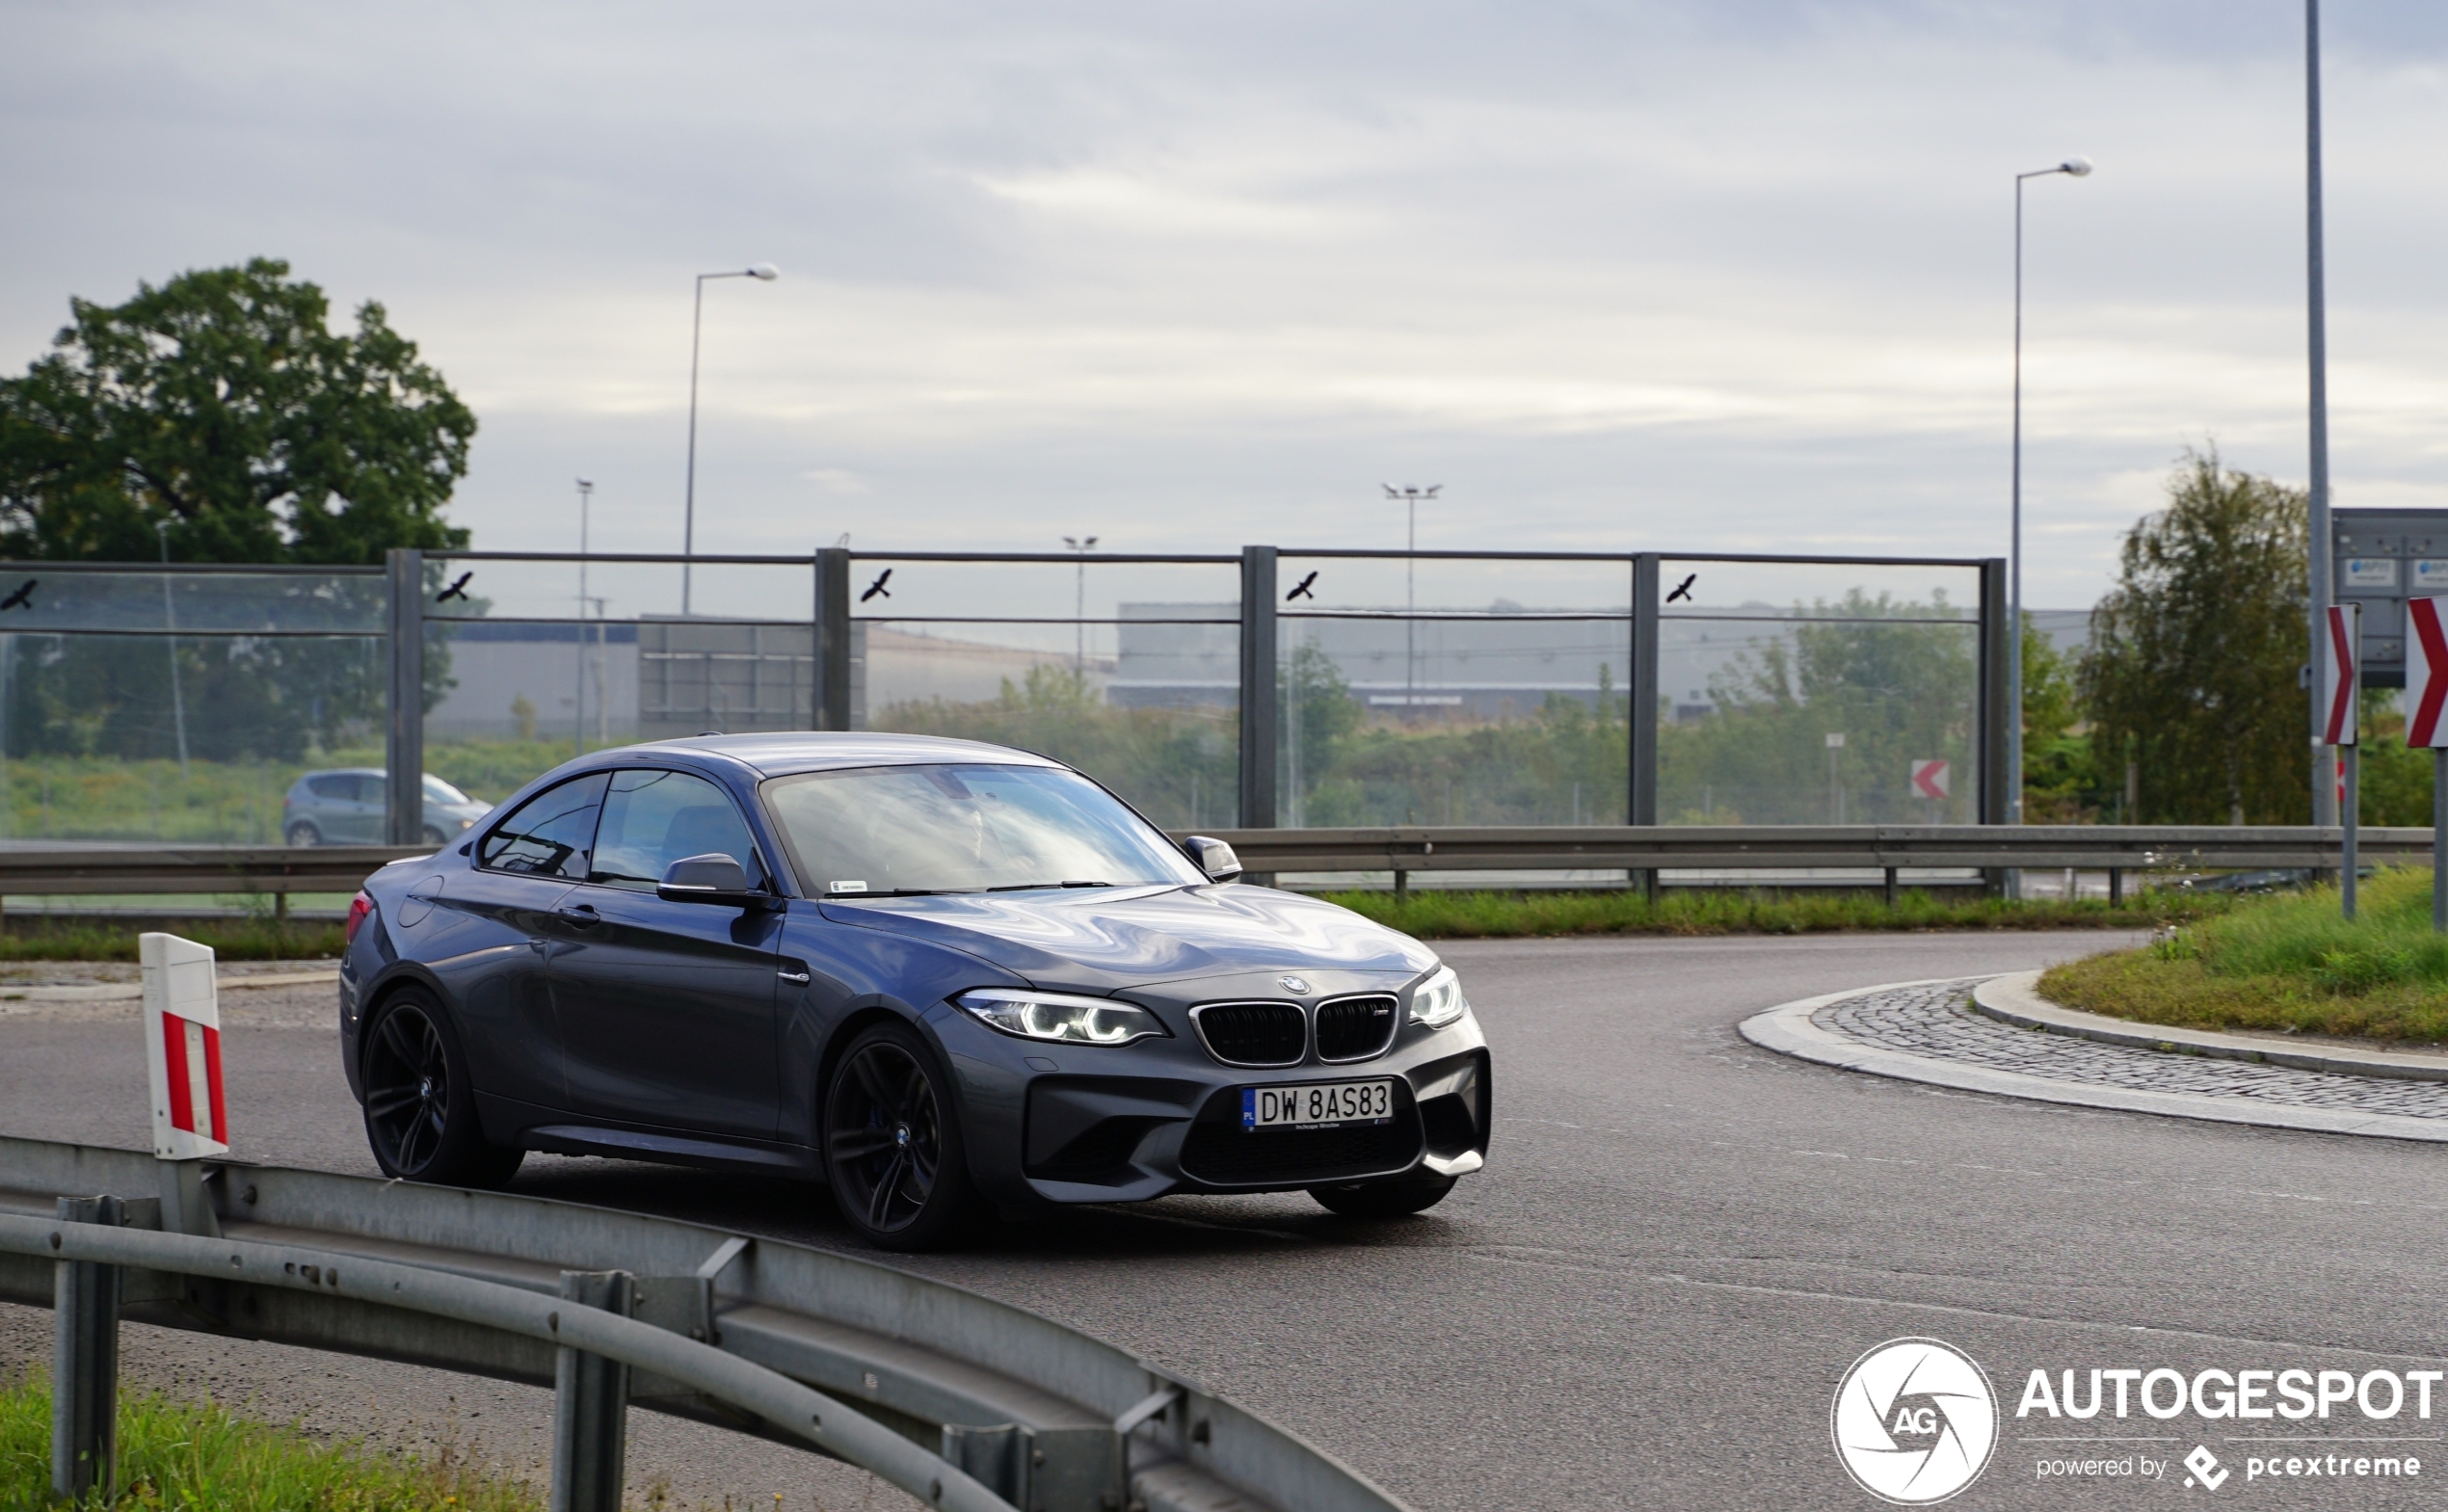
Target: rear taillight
{"x": 358, "y": 908}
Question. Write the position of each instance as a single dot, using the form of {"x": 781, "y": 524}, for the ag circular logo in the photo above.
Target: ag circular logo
{"x": 1914, "y": 1422}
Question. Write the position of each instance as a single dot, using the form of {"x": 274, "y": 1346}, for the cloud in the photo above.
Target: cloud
{"x": 1693, "y": 276}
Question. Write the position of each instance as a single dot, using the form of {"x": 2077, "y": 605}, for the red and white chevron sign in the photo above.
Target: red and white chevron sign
{"x": 182, "y": 1050}
{"x": 2426, "y": 673}
{"x": 2336, "y": 676}
{"x": 1930, "y": 779}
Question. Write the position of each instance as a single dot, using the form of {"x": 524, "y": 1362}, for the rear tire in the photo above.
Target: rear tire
{"x": 302, "y": 834}
{"x": 892, "y": 1146}
{"x": 420, "y": 1104}
{"x": 1388, "y": 1197}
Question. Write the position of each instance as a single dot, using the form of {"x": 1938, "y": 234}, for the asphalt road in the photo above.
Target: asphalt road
{"x": 1680, "y": 1245}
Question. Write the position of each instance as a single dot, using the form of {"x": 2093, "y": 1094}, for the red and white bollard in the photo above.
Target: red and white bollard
{"x": 182, "y": 1048}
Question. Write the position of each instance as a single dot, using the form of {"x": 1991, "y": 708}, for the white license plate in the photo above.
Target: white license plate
{"x": 1317, "y": 1104}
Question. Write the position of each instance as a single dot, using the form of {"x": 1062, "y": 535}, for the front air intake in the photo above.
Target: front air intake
{"x": 1355, "y": 1028}
{"x": 1252, "y": 1034}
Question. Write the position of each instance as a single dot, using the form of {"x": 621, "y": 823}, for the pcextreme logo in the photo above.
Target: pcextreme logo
{"x": 1914, "y": 1422}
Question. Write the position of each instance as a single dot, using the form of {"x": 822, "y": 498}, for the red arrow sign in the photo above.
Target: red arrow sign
{"x": 2426, "y": 673}
{"x": 1930, "y": 779}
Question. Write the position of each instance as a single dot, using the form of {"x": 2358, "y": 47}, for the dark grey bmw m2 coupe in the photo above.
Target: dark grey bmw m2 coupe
{"x": 942, "y": 978}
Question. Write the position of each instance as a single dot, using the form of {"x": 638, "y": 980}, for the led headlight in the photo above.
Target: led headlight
{"x": 1055, "y": 1015}
{"x": 1438, "y": 1000}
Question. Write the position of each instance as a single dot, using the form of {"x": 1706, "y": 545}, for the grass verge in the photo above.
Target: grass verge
{"x": 231, "y": 939}
{"x": 1491, "y": 916}
{"x": 203, "y": 1459}
{"x": 2287, "y": 963}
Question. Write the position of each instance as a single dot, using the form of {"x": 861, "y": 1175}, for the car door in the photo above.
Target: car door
{"x": 489, "y": 935}
{"x": 363, "y": 811}
{"x": 666, "y": 1010}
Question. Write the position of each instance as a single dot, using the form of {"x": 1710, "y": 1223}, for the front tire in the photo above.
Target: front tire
{"x": 1388, "y": 1197}
{"x": 892, "y": 1144}
{"x": 420, "y": 1104}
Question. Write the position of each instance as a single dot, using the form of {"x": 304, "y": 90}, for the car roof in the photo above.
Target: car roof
{"x": 781, "y": 752}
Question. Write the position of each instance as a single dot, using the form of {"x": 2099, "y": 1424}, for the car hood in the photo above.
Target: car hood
{"x": 1105, "y": 939}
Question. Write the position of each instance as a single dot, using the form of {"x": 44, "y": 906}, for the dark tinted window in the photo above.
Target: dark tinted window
{"x": 652, "y": 819}
{"x": 552, "y": 833}
{"x": 338, "y": 787}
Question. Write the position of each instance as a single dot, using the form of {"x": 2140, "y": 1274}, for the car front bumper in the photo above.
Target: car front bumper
{"x": 1058, "y": 1124}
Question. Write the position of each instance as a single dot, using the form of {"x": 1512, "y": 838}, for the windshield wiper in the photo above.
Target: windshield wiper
{"x": 1027, "y": 886}
{"x": 896, "y": 892}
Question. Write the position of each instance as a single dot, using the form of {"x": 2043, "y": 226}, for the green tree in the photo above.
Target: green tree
{"x": 223, "y": 403}
{"x": 2193, "y": 657}
{"x": 2061, "y": 778}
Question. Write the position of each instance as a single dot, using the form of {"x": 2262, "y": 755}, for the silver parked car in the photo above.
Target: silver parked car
{"x": 345, "y": 806}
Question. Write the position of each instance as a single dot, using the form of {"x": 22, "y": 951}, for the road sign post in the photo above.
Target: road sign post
{"x": 2340, "y": 689}
{"x": 2426, "y": 725}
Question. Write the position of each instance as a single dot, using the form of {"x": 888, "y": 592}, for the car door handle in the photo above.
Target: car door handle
{"x": 800, "y": 978}
{"x": 582, "y": 914}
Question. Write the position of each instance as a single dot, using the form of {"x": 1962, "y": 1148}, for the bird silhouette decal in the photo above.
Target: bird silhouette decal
{"x": 876, "y": 588}
{"x": 23, "y": 597}
{"x": 1300, "y": 589}
{"x": 1682, "y": 590}
{"x": 457, "y": 590}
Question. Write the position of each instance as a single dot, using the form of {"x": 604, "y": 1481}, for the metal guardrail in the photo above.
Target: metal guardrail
{"x": 1784, "y": 847}
{"x": 960, "y": 1400}
{"x": 111, "y": 868}
{"x": 99, "y": 867}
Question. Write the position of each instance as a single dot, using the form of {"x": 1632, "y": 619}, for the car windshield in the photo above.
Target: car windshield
{"x": 437, "y": 791}
{"x": 969, "y": 827}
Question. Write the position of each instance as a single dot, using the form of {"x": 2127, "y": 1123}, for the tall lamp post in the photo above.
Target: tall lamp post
{"x": 2071, "y": 167}
{"x": 2316, "y": 305}
{"x": 763, "y": 271}
{"x": 1081, "y": 546}
{"x": 579, "y": 722}
{"x": 170, "y": 622}
{"x": 1411, "y": 592}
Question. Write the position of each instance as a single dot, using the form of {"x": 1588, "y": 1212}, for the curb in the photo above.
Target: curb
{"x": 1788, "y": 1031}
{"x": 2015, "y": 999}
{"x": 113, "y": 991}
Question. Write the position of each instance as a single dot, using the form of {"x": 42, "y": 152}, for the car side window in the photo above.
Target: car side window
{"x": 653, "y": 818}
{"x": 551, "y": 835}
{"x": 338, "y": 788}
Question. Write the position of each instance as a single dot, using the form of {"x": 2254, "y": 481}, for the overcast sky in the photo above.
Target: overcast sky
{"x": 1729, "y": 274}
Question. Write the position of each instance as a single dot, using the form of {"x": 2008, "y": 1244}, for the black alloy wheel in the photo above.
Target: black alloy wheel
{"x": 893, "y": 1143}
{"x": 1387, "y": 1197}
{"x": 420, "y": 1108}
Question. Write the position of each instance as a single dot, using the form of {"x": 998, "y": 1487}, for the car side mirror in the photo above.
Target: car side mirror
{"x": 1214, "y": 857}
{"x": 710, "y": 878}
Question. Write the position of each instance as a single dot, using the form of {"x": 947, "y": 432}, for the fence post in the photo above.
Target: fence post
{"x": 1258, "y": 689}
{"x": 404, "y": 747}
{"x": 590, "y": 1403}
{"x": 1641, "y": 711}
{"x": 1996, "y": 780}
{"x": 85, "y": 1302}
{"x": 833, "y": 638}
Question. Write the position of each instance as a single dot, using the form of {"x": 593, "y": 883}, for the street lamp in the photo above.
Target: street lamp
{"x": 2071, "y": 167}
{"x": 1082, "y": 545}
{"x": 578, "y": 735}
{"x": 1411, "y": 591}
{"x": 763, "y": 271}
